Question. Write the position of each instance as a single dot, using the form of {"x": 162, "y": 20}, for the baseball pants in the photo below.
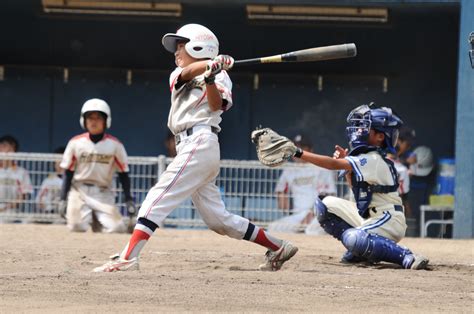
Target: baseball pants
{"x": 386, "y": 222}
{"x": 84, "y": 201}
{"x": 192, "y": 173}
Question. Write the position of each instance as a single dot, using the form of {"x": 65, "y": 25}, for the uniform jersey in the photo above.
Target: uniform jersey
{"x": 14, "y": 182}
{"x": 95, "y": 163}
{"x": 371, "y": 168}
{"x": 189, "y": 105}
{"x": 49, "y": 192}
{"x": 305, "y": 184}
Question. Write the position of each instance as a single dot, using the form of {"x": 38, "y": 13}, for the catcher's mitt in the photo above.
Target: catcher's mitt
{"x": 273, "y": 149}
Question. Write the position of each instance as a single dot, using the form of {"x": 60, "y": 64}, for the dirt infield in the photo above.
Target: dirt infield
{"x": 47, "y": 269}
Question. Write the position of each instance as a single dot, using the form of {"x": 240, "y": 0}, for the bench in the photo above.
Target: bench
{"x": 429, "y": 208}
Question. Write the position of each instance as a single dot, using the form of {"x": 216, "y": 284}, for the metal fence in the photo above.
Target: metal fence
{"x": 30, "y": 186}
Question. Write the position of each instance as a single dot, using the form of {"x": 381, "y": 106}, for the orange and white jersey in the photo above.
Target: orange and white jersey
{"x": 14, "y": 182}
{"x": 95, "y": 163}
{"x": 305, "y": 184}
{"x": 189, "y": 105}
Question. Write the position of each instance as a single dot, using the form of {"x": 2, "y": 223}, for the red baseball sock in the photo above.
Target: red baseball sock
{"x": 267, "y": 240}
{"x": 135, "y": 245}
{"x": 259, "y": 236}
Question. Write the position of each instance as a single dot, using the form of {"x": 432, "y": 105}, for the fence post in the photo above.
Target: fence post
{"x": 161, "y": 166}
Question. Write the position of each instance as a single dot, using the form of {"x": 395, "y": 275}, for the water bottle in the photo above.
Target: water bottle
{"x": 445, "y": 181}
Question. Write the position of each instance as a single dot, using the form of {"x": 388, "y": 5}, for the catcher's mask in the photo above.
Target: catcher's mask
{"x": 363, "y": 118}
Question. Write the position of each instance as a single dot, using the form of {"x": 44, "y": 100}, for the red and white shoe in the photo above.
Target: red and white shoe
{"x": 117, "y": 264}
{"x": 275, "y": 259}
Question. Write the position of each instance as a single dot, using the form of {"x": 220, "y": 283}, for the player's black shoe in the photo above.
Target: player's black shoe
{"x": 349, "y": 258}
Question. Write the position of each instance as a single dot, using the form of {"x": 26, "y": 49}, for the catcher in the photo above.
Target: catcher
{"x": 371, "y": 226}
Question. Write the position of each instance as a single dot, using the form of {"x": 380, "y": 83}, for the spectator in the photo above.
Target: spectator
{"x": 422, "y": 180}
{"x": 15, "y": 183}
{"x": 406, "y": 140}
{"x": 423, "y": 162}
{"x": 302, "y": 186}
{"x": 403, "y": 182}
{"x": 50, "y": 191}
{"x": 170, "y": 144}
{"x": 402, "y": 160}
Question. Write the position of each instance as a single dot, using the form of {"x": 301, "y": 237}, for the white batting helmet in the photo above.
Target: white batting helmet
{"x": 96, "y": 104}
{"x": 201, "y": 43}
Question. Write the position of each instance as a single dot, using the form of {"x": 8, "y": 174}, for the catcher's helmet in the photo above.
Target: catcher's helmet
{"x": 201, "y": 43}
{"x": 363, "y": 118}
{"x": 99, "y": 105}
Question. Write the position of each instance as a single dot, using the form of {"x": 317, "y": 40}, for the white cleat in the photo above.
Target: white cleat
{"x": 419, "y": 262}
{"x": 275, "y": 259}
{"x": 117, "y": 264}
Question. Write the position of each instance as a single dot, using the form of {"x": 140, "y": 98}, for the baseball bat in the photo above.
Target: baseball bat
{"x": 306, "y": 55}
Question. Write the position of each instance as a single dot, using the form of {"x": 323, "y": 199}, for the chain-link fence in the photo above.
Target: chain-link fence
{"x": 30, "y": 185}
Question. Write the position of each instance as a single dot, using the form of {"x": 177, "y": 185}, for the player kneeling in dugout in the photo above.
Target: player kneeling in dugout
{"x": 90, "y": 161}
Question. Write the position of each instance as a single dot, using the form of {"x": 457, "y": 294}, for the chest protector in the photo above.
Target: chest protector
{"x": 363, "y": 191}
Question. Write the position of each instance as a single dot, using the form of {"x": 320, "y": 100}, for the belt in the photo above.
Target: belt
{"x": 93, "y": 185}
{"x": 182, "y": 135}
{"x": 397, "y": 208}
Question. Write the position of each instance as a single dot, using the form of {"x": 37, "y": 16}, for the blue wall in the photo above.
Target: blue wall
{"x": 464, "y": 207}
{"x": 417, "y": 52}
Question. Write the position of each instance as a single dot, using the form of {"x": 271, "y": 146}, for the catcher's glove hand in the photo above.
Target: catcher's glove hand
{"x": 273, "y": 149}
{"x": 131, "y": 209}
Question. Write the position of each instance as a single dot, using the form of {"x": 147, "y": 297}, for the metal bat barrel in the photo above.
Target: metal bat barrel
{"x": 306, "y": 55}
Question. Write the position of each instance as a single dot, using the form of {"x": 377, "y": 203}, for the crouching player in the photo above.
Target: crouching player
{"x": 371, "y": 226}
{"x": 90, "y": 161}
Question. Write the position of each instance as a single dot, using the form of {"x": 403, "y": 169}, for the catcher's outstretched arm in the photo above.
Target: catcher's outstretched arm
{"x": 326, "y": 161}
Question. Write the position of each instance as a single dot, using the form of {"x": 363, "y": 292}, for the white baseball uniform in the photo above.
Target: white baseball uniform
{"x": 194, "y": 170}
{"x": 303, "y": 184}
{"x": 49, "y": 193}
{"x": 94, "y": 165}
{"x": 14, "y": 183}
{"x": 383, "y": 218}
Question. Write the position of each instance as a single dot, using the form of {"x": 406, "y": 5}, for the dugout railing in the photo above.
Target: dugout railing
{"x": 247, "y": 188}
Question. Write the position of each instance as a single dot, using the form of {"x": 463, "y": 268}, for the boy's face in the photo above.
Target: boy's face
{"x": 95, "y": 123}
{"x": 6, "y": 147}
{"x": 57, "y": 167}
{"x": 375, "y": 138}
{"x": 403, "y": 146}
{"x": 181, "y": 57}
